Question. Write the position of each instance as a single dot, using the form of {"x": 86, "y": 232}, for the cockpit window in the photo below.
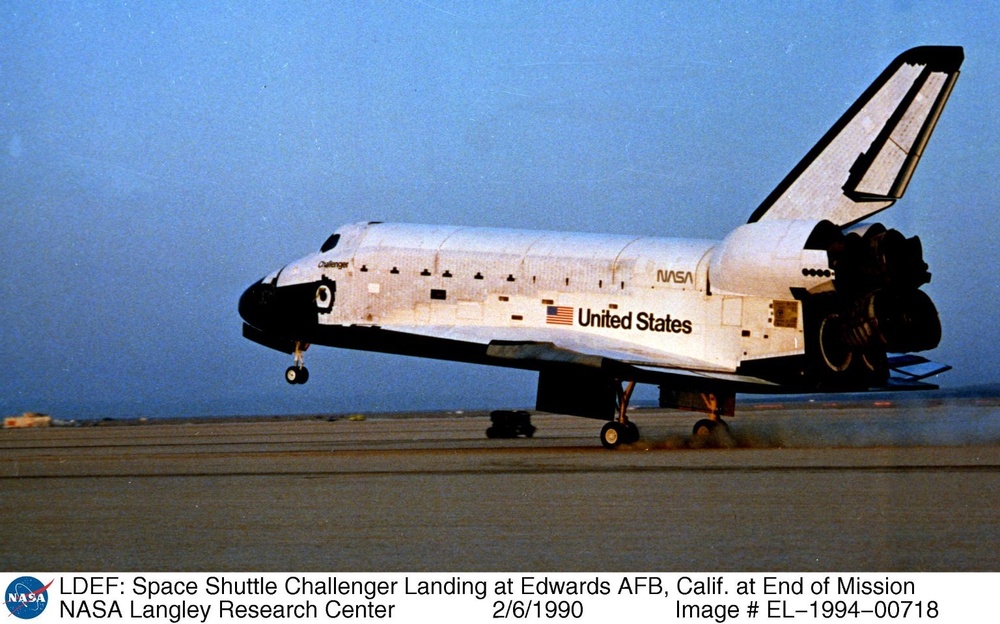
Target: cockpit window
{"x": 330, "y": 243}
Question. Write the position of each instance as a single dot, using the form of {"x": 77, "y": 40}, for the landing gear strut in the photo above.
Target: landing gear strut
{"x": 298, "y": 373}
{"x": 621, "y": 430}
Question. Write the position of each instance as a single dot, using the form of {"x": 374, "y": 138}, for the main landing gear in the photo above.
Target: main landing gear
{"x": 298, "y": 373}
{"x": 712, "y": 432}
{"x": 621, "y": 430}
{"x": 708, "y": 432}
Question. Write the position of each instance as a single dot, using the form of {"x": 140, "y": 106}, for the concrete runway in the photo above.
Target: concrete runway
{"x": 805, "y": 488}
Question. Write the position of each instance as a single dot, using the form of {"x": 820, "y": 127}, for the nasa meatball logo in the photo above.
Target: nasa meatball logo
{"x": 27, "y": 597}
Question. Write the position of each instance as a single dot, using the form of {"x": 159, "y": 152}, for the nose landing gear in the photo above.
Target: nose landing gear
{"x": 298, "y": 373}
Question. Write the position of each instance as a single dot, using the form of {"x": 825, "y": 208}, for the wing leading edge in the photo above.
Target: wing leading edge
{"x": 864, "y": 162}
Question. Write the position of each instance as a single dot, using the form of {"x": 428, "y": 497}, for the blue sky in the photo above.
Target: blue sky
{"x": 157, "y": 158}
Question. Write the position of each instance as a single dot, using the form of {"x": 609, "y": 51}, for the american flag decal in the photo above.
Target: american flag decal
{"x": 559, "y": 315}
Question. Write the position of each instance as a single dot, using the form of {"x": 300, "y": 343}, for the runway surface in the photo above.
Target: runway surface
{"x": 804, "y": 488}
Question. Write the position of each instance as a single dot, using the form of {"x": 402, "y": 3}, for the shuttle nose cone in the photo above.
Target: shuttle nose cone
{"x": 254, "y": 304}
{"x": 289, "y": 312}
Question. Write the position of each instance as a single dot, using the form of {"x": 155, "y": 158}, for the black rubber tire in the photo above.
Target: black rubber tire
{"x": 612, "y": 434}
{"x": 631, "y": 433}
{"x": 704, "y": 428}
{"x": 296, "y": 375}
{"x": 713, "y": 434}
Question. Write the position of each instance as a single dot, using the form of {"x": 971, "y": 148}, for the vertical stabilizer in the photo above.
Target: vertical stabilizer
{"x": 864, "y": 162}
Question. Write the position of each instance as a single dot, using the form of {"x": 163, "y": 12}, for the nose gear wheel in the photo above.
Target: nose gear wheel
{"x": 298, "y": 374}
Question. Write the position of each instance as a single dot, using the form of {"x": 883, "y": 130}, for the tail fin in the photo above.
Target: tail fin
{"x": 864, "y": 162}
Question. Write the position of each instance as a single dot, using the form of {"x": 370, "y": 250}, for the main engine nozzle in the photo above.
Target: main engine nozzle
{"x": 892, "y": 320}
{"x": 879, "y": 259}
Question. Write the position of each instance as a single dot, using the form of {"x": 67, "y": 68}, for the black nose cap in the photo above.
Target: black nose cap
{"x": 254, "y": 303}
